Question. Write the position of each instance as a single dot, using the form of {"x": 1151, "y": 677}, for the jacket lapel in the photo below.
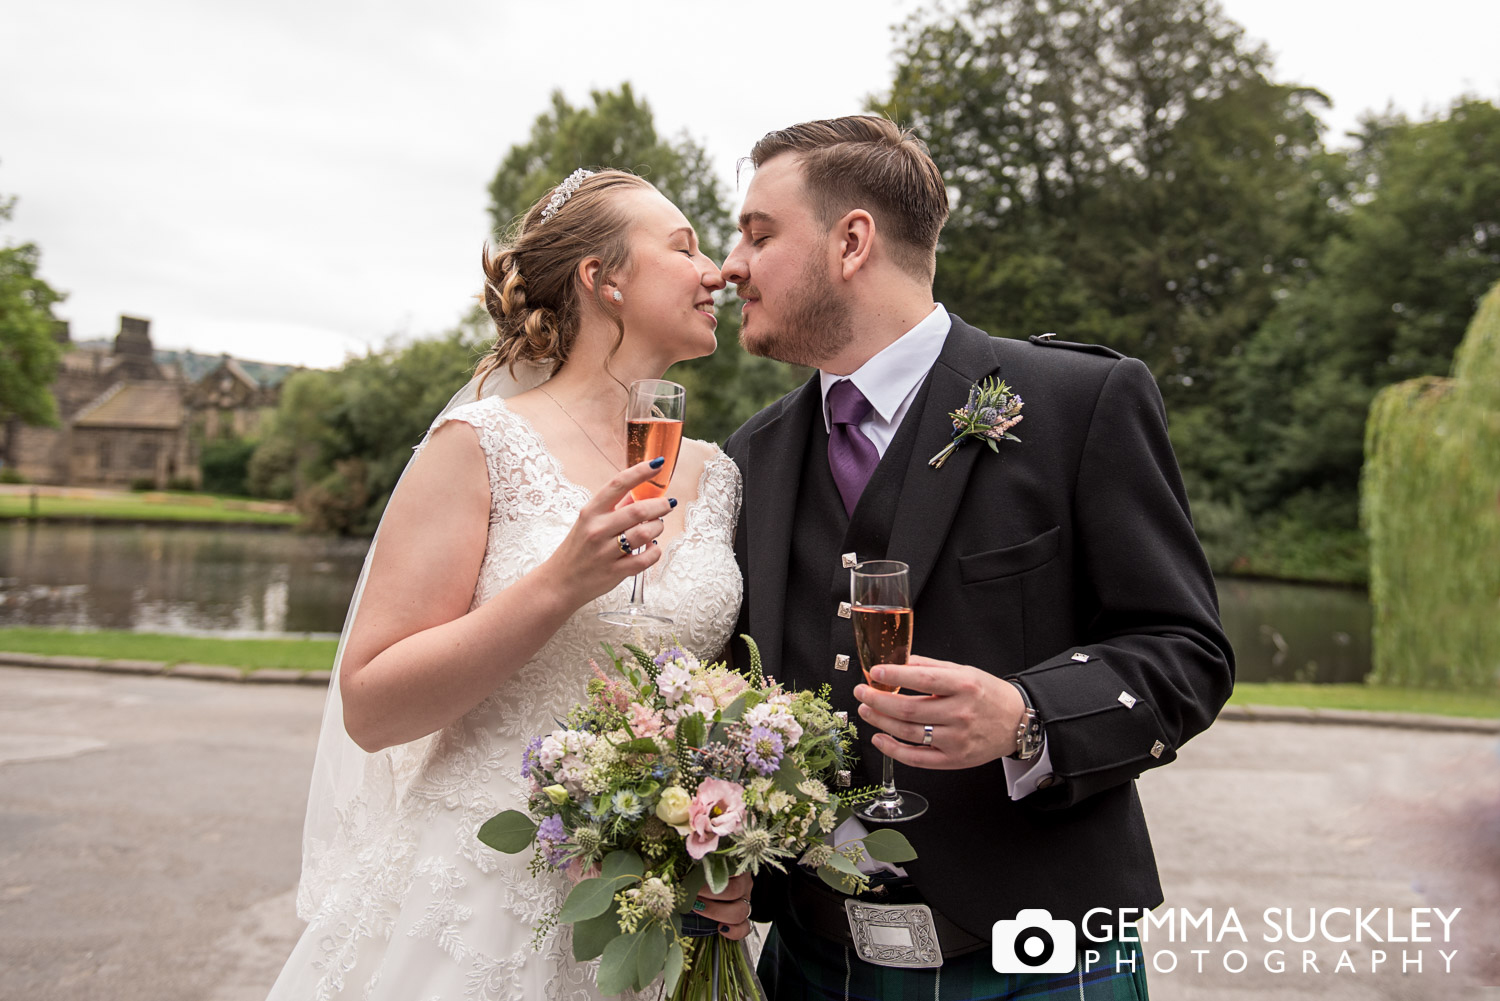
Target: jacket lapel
{"x": 930, "y": 497}
{"x": 772, "y": 482}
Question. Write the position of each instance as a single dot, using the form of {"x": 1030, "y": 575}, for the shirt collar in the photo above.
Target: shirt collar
{"x": 889, "y": 377}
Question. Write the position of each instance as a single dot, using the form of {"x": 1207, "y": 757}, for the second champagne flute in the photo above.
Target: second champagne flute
{"x": 653, "y": 427}
{"x": 880, "y": 596}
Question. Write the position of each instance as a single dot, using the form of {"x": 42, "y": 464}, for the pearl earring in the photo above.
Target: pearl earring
{"x": 618, "y": 296}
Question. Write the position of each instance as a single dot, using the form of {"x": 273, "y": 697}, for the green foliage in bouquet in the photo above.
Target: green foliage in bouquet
{"x": 672, "y": 776}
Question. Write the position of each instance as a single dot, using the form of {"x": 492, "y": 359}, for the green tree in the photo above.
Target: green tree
{"x": 618, "y": 130}
{"x": 225, "y": 463}
{"x": 1122, "y": 172}
{"x": 1125, "y": 173}
{"x": 1416, "y": 245}
{"x": 339, "y": 440}
{"x": 29, "y": 351}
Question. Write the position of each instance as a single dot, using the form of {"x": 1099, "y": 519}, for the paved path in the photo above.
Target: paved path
{"x": 149, "y": 834}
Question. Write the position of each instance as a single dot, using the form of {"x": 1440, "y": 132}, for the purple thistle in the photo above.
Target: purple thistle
{"x": 763, "y": 750}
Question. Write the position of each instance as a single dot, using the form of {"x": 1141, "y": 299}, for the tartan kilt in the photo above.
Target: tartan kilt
{"x": 801, "y": 966}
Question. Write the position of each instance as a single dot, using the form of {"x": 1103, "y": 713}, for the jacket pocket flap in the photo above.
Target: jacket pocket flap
{"x": 1011, "y": 560}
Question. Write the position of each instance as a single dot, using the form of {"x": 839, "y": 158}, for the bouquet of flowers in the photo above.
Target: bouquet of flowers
{"x": 674, "y": 775}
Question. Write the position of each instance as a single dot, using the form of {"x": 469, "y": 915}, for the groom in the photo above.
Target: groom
{"x": 1067, "y": 635}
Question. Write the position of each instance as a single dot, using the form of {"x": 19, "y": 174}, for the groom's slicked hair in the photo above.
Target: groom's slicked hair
{"x": 863, "y": 161}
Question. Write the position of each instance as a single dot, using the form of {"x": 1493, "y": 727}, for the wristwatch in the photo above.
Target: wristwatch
{"x": 1028, "y": 731}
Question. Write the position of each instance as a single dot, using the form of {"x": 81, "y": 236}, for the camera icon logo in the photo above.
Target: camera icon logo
{"x": 1034, "y": 942}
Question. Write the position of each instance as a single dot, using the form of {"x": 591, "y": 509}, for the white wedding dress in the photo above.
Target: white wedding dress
{"x": 403, "y": 902}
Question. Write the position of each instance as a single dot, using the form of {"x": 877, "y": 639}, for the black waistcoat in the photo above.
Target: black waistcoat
{"x": 817, "y": 581}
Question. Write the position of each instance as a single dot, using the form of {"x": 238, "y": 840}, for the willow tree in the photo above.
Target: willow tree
{"x": 1431, "y": 506}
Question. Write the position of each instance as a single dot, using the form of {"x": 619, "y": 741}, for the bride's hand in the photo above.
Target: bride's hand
{"x": 730, "y": 907}
{"x": 593, "y": 558}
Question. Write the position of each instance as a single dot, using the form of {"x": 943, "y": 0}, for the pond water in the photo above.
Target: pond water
{"x": 238, "y": 582}
{"x": 258, "y": 582}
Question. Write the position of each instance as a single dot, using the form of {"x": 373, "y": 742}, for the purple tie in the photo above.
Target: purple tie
{"x": 851, "y": 456}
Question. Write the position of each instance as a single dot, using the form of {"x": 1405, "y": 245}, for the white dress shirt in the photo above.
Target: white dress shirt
{"x": 890, "y": 380}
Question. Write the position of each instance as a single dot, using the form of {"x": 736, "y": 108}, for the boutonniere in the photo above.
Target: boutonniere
{"x": 989, "y": 415}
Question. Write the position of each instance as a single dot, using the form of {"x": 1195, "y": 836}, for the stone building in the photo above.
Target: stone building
{"x": 127, "y": 420}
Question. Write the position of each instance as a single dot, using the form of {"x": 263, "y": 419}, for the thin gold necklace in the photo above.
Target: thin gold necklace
{"x": 580, "y": 427}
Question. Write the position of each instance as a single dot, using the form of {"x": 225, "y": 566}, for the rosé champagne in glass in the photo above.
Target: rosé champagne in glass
{"x": 653, "y": 427}
{"x": 882, "y": 635}
{"x": 647, "y": 438}
{"x": 880, "y": 599}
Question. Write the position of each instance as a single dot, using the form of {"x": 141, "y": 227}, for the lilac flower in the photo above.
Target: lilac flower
{"x": 763, "y": 749}
{"x": 667, "y": 656}
{"x": 529, "y": 757}
{"x": 552, "y": 837}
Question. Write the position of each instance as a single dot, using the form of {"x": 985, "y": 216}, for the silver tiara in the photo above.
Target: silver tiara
{"x": 564, "y": 191}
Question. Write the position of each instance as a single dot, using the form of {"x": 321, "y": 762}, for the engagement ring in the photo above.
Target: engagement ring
{"x": 927, "y": 735}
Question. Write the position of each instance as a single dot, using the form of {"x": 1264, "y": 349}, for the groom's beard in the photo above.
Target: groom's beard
{"x": 816, "y": 326}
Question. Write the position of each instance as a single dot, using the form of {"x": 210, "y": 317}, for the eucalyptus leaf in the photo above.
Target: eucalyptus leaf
{"x": 620, "y": 964}
{"x": 588, "y": 899}
{"x": 673, "y": 968}
{"x": 651, "y": 957}
{"x": 694, "y": 881}
{"x": 788, "y": 776}
{"x": 833, "y": 878}
{"x": 842, "y": 864}
{"x": 622, "y": 863}
{"x": 735, "y": 711}
{"x": 616, "y": 972}
{"x": 716, "y": 867}
{"x": 509, "y": 832}
{"x": 593, "y": 934}
{"x": 888, "y": 845}
{"x": 640, "y": 745}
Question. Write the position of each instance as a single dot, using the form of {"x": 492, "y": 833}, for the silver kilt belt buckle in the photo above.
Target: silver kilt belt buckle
{"x": 901, "y": 935}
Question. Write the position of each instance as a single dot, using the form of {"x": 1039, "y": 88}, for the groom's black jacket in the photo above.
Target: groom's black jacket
{"x": 1074, "y": 541}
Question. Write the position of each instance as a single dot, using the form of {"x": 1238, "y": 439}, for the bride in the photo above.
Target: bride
{"x": 474, "y": 623}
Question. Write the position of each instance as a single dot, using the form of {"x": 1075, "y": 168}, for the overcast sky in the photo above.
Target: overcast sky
{"x": 294, "y": 180}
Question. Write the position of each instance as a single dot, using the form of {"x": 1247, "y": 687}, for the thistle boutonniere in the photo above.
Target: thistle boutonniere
{"x": 989, "y": 415}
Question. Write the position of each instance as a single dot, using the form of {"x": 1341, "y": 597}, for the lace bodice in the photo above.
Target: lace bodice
{"x": 413, "y": 906}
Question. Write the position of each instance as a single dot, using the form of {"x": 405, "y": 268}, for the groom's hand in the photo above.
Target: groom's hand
{"x": 730, "y": 907}
{"x": 973, "y": 714}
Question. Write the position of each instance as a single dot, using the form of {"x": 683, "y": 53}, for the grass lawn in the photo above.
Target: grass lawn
{"x": 149, "y": 506}
{"x": 1370, "y": 698}
{"x": 317, "y": 655}
{"x": 250, "y": 654}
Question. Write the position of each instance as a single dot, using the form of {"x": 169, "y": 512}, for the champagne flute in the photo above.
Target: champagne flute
{"x": 653, "y": 427}
{"x": 880, "y": 596}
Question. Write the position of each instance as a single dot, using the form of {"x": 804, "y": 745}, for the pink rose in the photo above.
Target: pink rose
{"x": 577, "y": 874}
{"x": 716, "y": 811}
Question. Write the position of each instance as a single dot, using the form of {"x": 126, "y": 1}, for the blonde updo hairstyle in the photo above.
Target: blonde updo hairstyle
{"x": 532, "y": 288}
